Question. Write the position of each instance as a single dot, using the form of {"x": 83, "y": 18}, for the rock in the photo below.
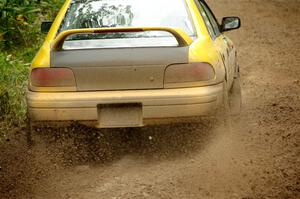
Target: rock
{"x": 145, "y": 194}
{"x": 297, "y": 81}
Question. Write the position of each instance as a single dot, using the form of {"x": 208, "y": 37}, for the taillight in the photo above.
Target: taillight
{"x": 52, "y": 77}
{"x": 193, "y": 72}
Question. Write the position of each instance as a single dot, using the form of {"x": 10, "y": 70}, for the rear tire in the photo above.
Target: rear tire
{"x": 224, "y": 112}
{"x": 235, "y": 97}
{"x": 29, "y": 131}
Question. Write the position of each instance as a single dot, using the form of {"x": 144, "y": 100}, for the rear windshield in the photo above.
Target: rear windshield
{"x": 127, "y": 13}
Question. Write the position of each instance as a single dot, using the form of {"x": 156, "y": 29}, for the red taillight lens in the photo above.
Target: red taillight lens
{"x": 193, "y": 72}
{"x": 52, "y": 77}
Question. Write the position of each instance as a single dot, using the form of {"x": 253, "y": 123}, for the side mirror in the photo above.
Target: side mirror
{"x": 45, "y": 27}
{"x": 230, "y": 23}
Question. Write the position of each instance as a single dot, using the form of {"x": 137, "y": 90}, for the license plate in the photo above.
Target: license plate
{"x": 120, "y": 115}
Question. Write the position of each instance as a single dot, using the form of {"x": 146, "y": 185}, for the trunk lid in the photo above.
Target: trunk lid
{"x": 121, "y": 68}
{"x": 110, "y": 65}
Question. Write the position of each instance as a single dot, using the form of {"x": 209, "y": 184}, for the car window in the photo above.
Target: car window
{"x": 211, "y": 18}
{"x": 127, "y": 13}
{"x": 206, "y": 20}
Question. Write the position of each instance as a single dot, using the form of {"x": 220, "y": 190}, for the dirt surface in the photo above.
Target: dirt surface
{"x": 258, "y": 158}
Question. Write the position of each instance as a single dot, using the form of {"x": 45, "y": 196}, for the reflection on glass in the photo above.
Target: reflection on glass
{"x": 231, "y": 23}
{"x": 126, "y": 13}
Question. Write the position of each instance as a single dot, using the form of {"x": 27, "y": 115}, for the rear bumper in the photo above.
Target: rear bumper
{"x": 156, "y": 104}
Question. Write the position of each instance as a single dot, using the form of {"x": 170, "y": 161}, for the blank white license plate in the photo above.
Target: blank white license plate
{"x": 120, "y": 115}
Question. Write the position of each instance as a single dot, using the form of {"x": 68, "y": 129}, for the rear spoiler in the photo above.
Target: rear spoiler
{"x": 182, "y": 38}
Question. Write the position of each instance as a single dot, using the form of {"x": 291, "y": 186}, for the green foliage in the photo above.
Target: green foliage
{"x": 16, "y": 16}
{"x": 20, "y": 38}
{"x": 14, "y": 73}
{"x": 20, "y": 20}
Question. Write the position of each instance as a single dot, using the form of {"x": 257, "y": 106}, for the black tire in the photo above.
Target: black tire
{"x": 235, "y": 97}
{"x": 29, "y": 131}
{"x": 224, "y": 112}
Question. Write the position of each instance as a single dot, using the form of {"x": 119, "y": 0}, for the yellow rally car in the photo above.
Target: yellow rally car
{"x": 131, "y": 63}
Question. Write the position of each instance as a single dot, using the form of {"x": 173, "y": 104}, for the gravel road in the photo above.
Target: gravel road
{"x": 258, "y": 158}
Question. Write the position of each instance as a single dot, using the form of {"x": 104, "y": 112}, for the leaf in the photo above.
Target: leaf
{"x": 21, "y": 18}
{"x": 2, "y": 36}
{"x": 11, "y": 9}
{"x": 32, "y": 11}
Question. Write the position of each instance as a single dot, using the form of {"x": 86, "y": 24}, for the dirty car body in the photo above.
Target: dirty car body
{"x": 131, "y": 63}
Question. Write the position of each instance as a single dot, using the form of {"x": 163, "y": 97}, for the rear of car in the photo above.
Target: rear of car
{"x": 124, "y": 63}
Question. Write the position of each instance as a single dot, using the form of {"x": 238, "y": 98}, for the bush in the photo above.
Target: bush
{"x": 16, "y": 19}
{"x": 14, "y": 73}
{"x": 20, "y": 20}
{"x": 20, "y": 39}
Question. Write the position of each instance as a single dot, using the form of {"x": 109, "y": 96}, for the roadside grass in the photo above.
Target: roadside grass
{"x": 20, "y": 39}
{"x": 14, "y": 69}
